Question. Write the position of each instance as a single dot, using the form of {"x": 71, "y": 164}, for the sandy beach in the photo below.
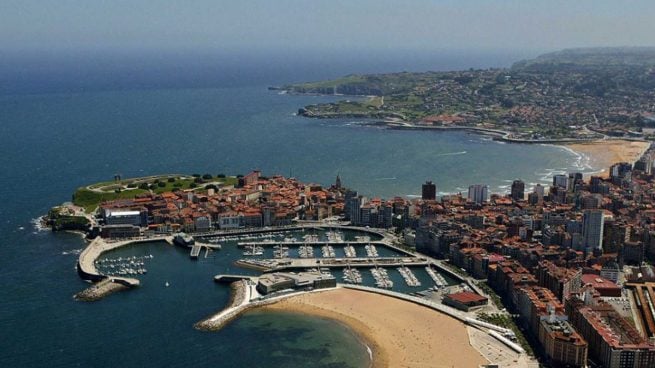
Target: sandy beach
{"x": 400, "y": 333}
{"x": 603, "y": 154}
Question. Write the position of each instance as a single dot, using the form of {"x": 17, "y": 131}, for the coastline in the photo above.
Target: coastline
{"x": 399, "y": 333}
{"x": 605, "y": 153}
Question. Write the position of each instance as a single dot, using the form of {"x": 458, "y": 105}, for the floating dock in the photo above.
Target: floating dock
{"x": 195, "y": 251}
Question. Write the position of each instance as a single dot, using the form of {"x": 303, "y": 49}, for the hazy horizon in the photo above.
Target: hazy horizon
{"x": 332, "y": 25}
{"x": 80, "y": 45}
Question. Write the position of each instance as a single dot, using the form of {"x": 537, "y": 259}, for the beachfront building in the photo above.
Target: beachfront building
{"x": 518, "y": 190}
{"x": 429, "y": 191}
{"x": 560, "y": 180}
{"x": 272, "y": 282}
{"x": 478, "y": 193}
{"x": 465, "y": 300}
{"x": 592, "y": 229}
{"x": 613, "y": 341}
{"x": 563, "y": 346}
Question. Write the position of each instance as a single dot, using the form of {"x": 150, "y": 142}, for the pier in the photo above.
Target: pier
{"x": 267, "y": 265}
{"x": 195, "y": 251}
{"x": 299, "y": 243}
{"x": 86, "y": 262}
{"x": 228, "y": 279}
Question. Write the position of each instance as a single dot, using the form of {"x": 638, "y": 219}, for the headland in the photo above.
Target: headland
{"x": 554, "y": 98}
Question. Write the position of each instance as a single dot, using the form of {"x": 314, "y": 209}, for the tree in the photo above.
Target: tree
{"x": 221, "y": 176}
{"x": 207, "y": 176}
{"x": 143, "y": 186}
{"x": 171, "y": 180}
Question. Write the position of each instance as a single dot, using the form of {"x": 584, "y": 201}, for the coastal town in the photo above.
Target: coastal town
{"x": 570, "y": 95}
{"x": 570, "y": 261}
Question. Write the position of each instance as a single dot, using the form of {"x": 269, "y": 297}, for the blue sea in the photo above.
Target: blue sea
{"x": 74, "y": 123}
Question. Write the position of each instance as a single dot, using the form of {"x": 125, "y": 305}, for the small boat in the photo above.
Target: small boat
{"x": 167, "y": 284}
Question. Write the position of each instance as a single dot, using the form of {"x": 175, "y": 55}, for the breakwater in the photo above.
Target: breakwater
{"x": 101, "y": 289}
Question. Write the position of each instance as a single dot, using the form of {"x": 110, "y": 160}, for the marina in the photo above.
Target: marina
{"x": 381, "y": 277}
{"x": 253, "y": 250}
{"x": 409, "y": 277}
{"x": 267, "y": 265}
{"x": 314, "y": 242}
{"x": 280, "y": 251}
{"x": 352, "y": 276}
{"x": 328, "y": 251}
{"x": 350, "y": 252}
{"x": 371, "y": 250}
{"x": 306, "y": 251}
{"x": 438, "y": 279}
{"x": 134, "y": 265}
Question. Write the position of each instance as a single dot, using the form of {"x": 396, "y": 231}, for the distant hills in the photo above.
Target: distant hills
{"x": 593, "y": 57}
{"x": 579, "y": 94}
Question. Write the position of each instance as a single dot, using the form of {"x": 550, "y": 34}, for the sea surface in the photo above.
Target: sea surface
{"x": 54, "y": 142}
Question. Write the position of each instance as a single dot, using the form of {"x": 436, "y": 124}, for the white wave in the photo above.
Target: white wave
{"x": 72, "y": 252}
{"x": 380, "y": 179}
{"x": 37, "y": 224}
{"x": 451, "y": 153}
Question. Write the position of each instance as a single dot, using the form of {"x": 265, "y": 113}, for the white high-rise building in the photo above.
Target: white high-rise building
{"x": 560, "y": 181}
{"x": 592, "y": 229}
{"x": 478, "y": 193}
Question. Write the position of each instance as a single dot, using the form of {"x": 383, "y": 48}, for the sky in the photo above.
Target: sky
{"x": 49, "y": 25}
{"x": 81, "y": 45}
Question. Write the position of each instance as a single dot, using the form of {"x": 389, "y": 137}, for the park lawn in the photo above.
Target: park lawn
{"x": 89, "y": 199}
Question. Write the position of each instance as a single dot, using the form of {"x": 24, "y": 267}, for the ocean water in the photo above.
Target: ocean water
{"x": 52, "y": 143}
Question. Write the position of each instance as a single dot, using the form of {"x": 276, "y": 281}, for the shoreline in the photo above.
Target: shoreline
{"x": 377, "y": 357}
{"x": 399, "y": 333}
{"x": 602, "y": 154}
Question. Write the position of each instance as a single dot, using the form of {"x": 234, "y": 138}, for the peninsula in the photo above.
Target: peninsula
{"x": 567, "y": 263}
{"x": 568, "y": 96}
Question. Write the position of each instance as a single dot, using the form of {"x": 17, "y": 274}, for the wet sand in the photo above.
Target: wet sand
{"x": 399, "y": 333}
{"x": 604, "y": 154}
